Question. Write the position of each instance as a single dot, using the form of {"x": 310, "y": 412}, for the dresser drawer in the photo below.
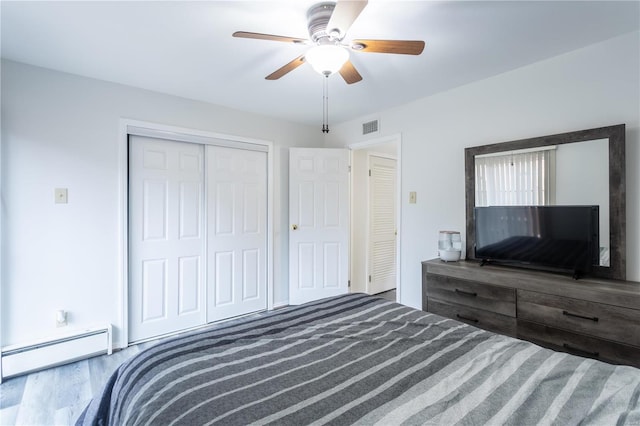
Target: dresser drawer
{"x": 476, "y": 317}
{"x": 579, "y": 344}
{"x": 595, "y": 319}
{"x": 501, "y": 300}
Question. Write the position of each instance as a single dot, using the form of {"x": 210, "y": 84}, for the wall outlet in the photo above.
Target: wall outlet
{"x": 412, "y": 197}
{"x": 61, "y": 195}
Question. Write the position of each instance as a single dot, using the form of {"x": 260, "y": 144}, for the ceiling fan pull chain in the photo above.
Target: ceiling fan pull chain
{"x": 325, "y": 104}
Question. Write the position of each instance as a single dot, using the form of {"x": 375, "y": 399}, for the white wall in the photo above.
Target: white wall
{"x": 61, "y": 130}
{"x": 591, "y": 87}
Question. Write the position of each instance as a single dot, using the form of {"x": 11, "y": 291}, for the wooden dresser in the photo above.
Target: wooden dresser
{"x": 596, "y": 318}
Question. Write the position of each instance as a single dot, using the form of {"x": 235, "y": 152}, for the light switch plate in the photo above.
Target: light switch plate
{"x": 412, "y": 197}
{"x": 61, "y": 196}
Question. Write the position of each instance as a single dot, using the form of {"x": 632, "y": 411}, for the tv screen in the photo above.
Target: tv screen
{"x": 557, "y": 237}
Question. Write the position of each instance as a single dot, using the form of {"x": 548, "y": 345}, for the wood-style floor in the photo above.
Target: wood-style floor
{"x": 57, "y": 396}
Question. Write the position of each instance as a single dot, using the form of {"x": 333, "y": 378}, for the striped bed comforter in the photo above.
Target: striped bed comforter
{"x": 358, "y": 359}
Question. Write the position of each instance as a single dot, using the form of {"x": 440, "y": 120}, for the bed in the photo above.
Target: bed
{"x": 359, "y": 359}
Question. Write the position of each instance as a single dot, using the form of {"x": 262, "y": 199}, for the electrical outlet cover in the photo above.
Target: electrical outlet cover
{"x": 61, "y": 195}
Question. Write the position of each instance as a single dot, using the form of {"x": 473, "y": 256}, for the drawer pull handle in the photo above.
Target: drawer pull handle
{"x": 569, "y": 314}
{"x": 466, "y": 293}
{"x": 580, "y": 351}
{"x": 466, "y": 318}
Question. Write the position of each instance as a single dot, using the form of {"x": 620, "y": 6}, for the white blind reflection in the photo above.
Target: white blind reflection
{"x": 515, "y": 179}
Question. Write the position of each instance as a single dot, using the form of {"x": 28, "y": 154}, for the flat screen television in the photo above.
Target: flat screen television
{"x": 563, "y": 238}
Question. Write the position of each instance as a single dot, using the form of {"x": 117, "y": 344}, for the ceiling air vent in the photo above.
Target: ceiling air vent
{"x": 370, "y": 127}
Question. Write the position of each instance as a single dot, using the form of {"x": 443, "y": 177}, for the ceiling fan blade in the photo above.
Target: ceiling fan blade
{"x": 285, "y": 69}
{"x": 349, "y": 73}
{"x": 405, "y": 47}
{"x": 344, "y": 15}
{"x": 259, "y": 36}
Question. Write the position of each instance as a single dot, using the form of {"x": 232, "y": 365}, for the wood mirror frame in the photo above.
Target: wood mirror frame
{"x": 617, "y": 188}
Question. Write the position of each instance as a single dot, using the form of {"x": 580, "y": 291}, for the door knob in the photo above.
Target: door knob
{"x": 294, "y": 227}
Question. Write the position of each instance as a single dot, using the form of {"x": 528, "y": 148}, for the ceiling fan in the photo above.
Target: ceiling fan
{"x": 328, "y": 23}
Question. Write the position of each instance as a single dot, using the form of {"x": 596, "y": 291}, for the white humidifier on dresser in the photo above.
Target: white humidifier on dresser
{"x": 449, "y": 246}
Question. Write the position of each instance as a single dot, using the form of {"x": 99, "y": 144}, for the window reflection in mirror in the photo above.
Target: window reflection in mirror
{"x": 567, "y": 174}
{"x": 522, "y": 177}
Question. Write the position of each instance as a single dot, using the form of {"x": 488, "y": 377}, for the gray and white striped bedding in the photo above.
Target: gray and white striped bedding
{"x": 358, "y": 359}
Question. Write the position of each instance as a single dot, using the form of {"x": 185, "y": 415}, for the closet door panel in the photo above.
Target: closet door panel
{"x": 166, "y": 242}
{"x": 237, "y": 223}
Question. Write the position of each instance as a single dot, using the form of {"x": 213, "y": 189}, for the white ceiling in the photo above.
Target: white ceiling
{"x": 186, "y": 48}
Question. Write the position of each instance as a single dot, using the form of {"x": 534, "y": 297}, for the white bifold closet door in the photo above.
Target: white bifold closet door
{"x": 197, "y": 235}
{"x": 166, "y": 237}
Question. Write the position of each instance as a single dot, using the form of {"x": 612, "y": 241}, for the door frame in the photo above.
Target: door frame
{"x": 369, "y": 144}
{"x": 142, "y": 128}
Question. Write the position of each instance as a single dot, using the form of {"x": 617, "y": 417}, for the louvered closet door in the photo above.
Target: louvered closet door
{"x": 382, "y": 225}
{"x": 237, "y": 232}
{"x": 166, "y": 237}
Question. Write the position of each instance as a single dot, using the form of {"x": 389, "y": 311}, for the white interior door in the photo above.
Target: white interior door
{"x": 382, "y": 224}
{"x": 319, "y": 218}
{"x": 237, "y": 232}
{"x": 166, "y": 237}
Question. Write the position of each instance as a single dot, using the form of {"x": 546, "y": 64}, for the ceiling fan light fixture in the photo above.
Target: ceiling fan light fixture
{"x": 327, "y": 59}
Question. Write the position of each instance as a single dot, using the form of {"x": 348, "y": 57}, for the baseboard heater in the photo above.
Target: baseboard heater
{"x": 62, "y": 349}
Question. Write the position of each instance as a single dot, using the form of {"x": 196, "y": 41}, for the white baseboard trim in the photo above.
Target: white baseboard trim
{"x": 56, "y": 350}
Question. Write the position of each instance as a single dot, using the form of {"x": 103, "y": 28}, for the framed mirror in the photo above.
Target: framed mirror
{"x": 584, "y": 167}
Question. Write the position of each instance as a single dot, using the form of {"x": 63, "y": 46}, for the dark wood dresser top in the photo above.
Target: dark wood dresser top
{"x": 617, "y": 293}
